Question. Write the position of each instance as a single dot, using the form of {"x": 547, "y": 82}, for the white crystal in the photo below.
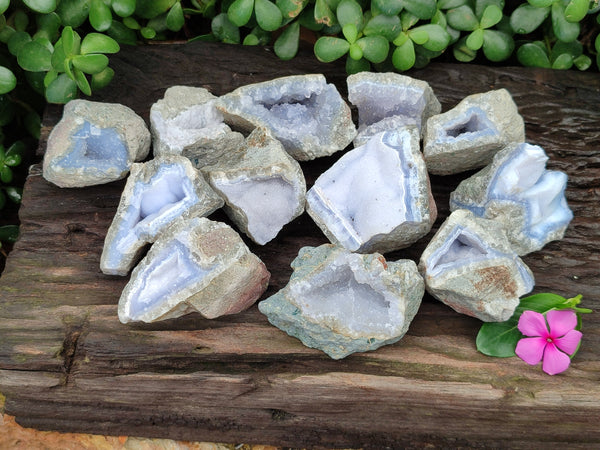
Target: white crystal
{"x": 376, "y": 197}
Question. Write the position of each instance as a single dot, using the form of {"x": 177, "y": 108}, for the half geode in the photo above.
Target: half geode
{"x": 196, "y": 265}
{"x": 470, "y": 266}
{"x": 94, "y": 143}
{"x": 518, "y": 191}
{"x": 376, "y": 197}
{"x": 304, "y": 112}
{"x": 469, "y": 135}
{"x": 186, "y": 122}
{"x": 342, "y": 302}
{"x": 156, "y": 193}
{"x": 380, "y": 97}
{"x": 262, "y": 185}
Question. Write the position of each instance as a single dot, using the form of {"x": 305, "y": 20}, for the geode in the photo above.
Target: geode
{"x": 376, "y": 197}
{"x": 518, "y": 191}
{"x": 196, "y": 265}
{"x": 156, "y": 193}
{"x": 186, "y": 122}
{"x": 469, "y": 135}
{"x": 262, "y": 185}
{"x": 304, "y": 112}
{"x": 380, "y": 96}
{"x": 94, "y": 143}
{"x": 470, "y": 266}
{"x": 342, "y": 302}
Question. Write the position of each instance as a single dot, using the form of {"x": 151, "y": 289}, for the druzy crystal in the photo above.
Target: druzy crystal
{"x": 342, "y": 302}
{"x": 376, "y": 197}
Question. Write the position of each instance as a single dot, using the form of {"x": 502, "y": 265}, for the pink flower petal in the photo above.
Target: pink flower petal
{"x": 531, "y": 350}
{"x": 561, "y": 322}
{"x": 555, "y": 361}
{"x": 532, "y": 323}
{"x": 569, "y": 342}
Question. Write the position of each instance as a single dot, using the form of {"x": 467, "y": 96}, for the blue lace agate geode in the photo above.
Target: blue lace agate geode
{"x": 517, "y": 190}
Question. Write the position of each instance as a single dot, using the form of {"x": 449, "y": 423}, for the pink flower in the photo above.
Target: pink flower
{"x": 553, "y": 342}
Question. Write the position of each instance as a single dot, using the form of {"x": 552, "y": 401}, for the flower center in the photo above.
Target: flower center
{"x": 549, "y": 339}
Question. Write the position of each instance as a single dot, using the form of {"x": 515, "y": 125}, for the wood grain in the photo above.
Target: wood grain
{"x": 67, "y": 363}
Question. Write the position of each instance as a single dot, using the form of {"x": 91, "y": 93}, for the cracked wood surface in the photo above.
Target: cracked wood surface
{"x": 66, "y": 363}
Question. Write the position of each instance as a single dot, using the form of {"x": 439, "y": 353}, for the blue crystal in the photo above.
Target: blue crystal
{"x": 472, "y": 125}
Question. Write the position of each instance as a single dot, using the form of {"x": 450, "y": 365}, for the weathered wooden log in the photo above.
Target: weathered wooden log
{"x": 67, "y": 363}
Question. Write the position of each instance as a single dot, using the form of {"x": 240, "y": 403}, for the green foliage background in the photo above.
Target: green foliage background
{"x": 56, "y": 50}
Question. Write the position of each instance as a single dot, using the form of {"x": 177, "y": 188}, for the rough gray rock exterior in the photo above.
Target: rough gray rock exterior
{"x": 262, "y": 185}
{"x": 376, "y": 197}
{"x": 470, "y": 266}
{"x": 518, "y": 191}
{"x": 394, "y": 123}
{"x": 469, "y": 135}
{"x": 196, "y": 265}
{"x": 304, "y": 112}
{"x": 342, "y": 302}
{"x": 94, "y": 143}
{"x": 156, "y": 194}
{"x": 380, "y": 96}
{"x": 186, "y": 122}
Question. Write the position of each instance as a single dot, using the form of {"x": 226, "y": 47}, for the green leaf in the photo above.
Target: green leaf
{"x": 497, "y": 46}
{"x": 250, "y": 39}
{"x": 7, "y": 111}
{"x": 100, "y": 15}
{"x": 48, "y": 26}
{"x": 58, "y": 57}
{"x": 17, "y": 40}
{"x": 463, "y": 53}
{"x": 73, "y": 13}
{"x": 350, "y": 12}
{"x": 68, "y": 42}
{"x": 541, "y": 3}
{"x": 563, "y": 62}
{"x": 148, "y": 33}
{"x": 448, "y": 4}
{"x": 531, "y": 55}
{"x": 389, "y": 7}
{"x": 92, "y": 63}
{"x": 33, "y": 124}
{"x": 13, "y": 160}
{"x": 15, "y": 195}
{"x": 41, "y": 6}
{"x": 491, "y": 16}
{"x": 61, "y": 90}
{"x": 290, "y": 9}
{"x": 526, "y": 18}
{"x": 350, "y": 32}
{"x": 462, "y": 18}
{"x": 408, "y": 20}
{"x": 224, "y": 30}
{"x": 438, "y": 37}
{"x": 20, "y": 20}
{"x": 286, "y": 45}
{"x": 82, "y": 82}
{"x": 403, "y": 57}
{"x": 323, "y": 14}
{"x": 102, "y": 79}
{"x": 354, "y": 66}
{"x": 240, "y": 11}
{"x": 175, "y": 19}
{"x": 475, "y": 39}
{"x": 375, "y": 48}
{"x": 17, "y": 148}
{"x": 423, "y": 9}
{"x": 268, "y": 15}
{"x": 131, "y": 23}
{"x": 123, "y": 8}
{"x": 419, "y": 35}
{"x": 121, "y": 34}
{"x": 36, "y": 81}
{"x": 355, "y": 51}
{"x": 576, "y": 10}
{"x": 4, "y": 4}
{"x": 148, "y": 9}
{"x": 307, "y": 20}
{"x": 329, "y": 48}
{"x": 6, "y": 174}
{"x": 387, "y": 26}
{"x": 9, "y": 233}
{"x": 582, "y": 62}
{"x": 565, "y": 31}
{"x": 35, "y": 57}
{"x": 572, "y": 48}
{"x": 8, "y": 81}
{"x": 98, "y": 43}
